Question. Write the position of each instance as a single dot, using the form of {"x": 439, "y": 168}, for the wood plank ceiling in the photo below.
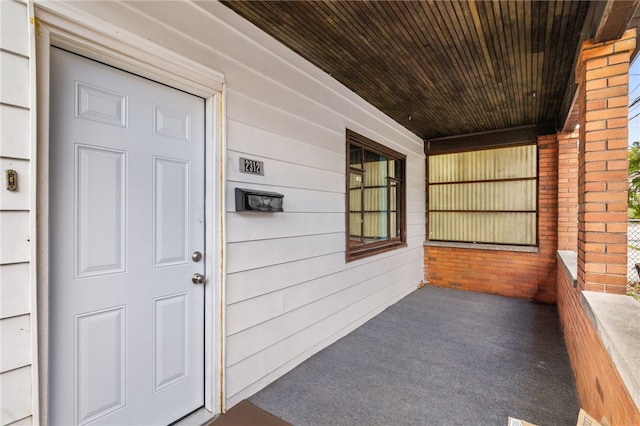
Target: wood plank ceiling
{"x": 439, "y": 68}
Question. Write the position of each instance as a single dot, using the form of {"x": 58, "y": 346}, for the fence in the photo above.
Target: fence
{"x": 633, "y": 250}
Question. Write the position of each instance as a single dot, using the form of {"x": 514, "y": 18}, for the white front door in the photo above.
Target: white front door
{"x": 126, "y": 215}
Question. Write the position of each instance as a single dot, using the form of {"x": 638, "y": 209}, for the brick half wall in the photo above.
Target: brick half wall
{"x": 601, "y": 391}
{"x": 508, "y": 273}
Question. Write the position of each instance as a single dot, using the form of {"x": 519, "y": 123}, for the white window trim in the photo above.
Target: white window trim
{"x": 59, "y": 24}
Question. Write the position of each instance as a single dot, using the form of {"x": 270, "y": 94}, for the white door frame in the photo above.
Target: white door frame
{"x": 59, "y": 24}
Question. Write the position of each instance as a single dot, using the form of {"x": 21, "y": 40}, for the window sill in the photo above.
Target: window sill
{"x": 569, "y": 261}
{"x": 372, "y": 251}
{"x": 480, "y": 246}
{"x": 615, "y": 319}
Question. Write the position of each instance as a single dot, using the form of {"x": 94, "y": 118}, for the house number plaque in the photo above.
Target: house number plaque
{"x": 252, "y": 167}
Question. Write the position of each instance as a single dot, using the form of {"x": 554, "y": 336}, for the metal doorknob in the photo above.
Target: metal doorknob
{"x": 197, "y": 278}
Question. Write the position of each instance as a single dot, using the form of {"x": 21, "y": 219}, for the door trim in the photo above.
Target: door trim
{"x": 61, "y": 25}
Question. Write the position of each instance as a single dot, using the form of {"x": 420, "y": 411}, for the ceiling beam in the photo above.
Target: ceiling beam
{"x": 486, "y": 140}
{"x": 615, "y": 20}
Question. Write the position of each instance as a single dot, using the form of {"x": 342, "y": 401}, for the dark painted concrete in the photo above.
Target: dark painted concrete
{"x": 437, "y": 357}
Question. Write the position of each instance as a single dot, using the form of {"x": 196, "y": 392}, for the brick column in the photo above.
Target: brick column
{"x": 547, "y": 218}
{"x": 568, "y": 191}
{"x": 603, "y": 96}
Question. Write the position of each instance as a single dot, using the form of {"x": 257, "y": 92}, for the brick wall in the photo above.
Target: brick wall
{"x": 508, "y": 273}
{"x": 603, "y": 81}
{"x": 568, "y": 191}
{"x": 601, "y": 391}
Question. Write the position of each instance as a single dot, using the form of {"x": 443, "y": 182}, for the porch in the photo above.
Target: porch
{"x": 419, "y": 78}
{"x": 439, "y": 356}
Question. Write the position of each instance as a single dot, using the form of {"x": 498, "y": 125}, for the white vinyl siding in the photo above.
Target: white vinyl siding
{"x": 484, "y": 196}
{"x": 16, "y": 372}
{"x": 289, "y": 292}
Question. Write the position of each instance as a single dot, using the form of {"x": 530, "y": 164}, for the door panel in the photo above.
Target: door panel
{"x": 100, "y": 182}
{"x": 126, "y": 212}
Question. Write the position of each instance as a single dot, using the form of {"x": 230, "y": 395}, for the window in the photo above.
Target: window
{"x": 375, "y": 197}
{"x": 484, "y": 196}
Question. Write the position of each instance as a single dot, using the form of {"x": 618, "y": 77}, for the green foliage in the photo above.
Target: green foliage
{"x": 634, "y": 157}
{"x": 633, "y": 199}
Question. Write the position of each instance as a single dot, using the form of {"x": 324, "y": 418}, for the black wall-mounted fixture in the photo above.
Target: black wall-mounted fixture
{"x": 258, "y": 201}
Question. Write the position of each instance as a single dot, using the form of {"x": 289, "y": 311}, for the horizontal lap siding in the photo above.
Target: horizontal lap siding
{"x": 289, "y": 291}
{"x": 15, "y": 217}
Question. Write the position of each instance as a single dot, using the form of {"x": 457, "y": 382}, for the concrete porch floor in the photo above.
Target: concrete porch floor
{"x": 437, "y": 357}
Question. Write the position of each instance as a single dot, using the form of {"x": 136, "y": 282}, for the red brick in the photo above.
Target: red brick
{"x": 595, "y": 165}
{"x": 625, "y": 45}
{"x": 617, "y": 122}
{"x": 604, "y": 196}
{"x": 597, "y": 63}
{"x": 590, "y": 52}
{"x": 618, "y": 102}
{"x": 602, "y": 217}
{"x": 617, "y": 227}
{"x": 617, "y": 207}
{"x": 595, "y": 227}
{"x": 619, "y": 80}
{"x": 617, "y": 186}
{"x": 616, "y": 289}
{"x": 617, "y": 133}
{"x": 593, "y": 207}
{"x": 616, "y": 269}
{"x": 616, "y": 248}
{"x": 595, "y": 186}
{"x": 608, "y": 238}
{"x": 606, "y": 176}
{"x": 598, "y": 104}
{"x": 605, "y": 258}
{"x": 621, "y": 143}
{"x": 609, "y": 71}
{"x": 610, "y": 91}
{"x": 617, "y": 58}
{"x": 596, "y": 84}
{"x": 595, "y": 267}
{"x": 604, "y": 154}
{"x": 593, "y": 143}
{"x": 618, "y": 165}
{"x": 606, "y": 114}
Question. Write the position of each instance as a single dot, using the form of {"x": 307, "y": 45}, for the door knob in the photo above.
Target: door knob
{"x": 197, "y": 278}
{"x": 196, "y": 256}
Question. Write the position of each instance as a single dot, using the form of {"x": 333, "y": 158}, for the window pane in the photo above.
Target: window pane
{"x": 516, "y": 195}
{"x": 355, "y": 206}
{"x": 355, "y": 157}
{"x": 483, "y": 227}
{"x": 394, "y": 225}
{"x": 375, "y": 217}
{"x": 484, "y": 196}
{"x": 375, "y": 169}
{"x": 489, "y": 164}
{"x": 375, "y": 196}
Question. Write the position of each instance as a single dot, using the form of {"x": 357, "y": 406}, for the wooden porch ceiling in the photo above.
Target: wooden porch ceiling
{"x": 442, "y": 68}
